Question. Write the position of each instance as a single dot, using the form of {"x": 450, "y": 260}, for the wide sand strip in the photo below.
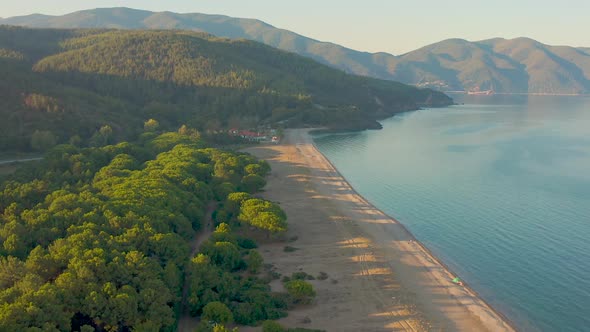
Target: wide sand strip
{"x": 380, "y": 277}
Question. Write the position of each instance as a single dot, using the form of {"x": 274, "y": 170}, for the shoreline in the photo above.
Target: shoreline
{"x": 382, "y": 278}
{"x": 523, "y": 94}
{"x": 465, "y": 285}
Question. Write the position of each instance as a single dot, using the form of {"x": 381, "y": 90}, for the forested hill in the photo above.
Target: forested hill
{"x": 70, "y": 83}
{"x": 518, "y": 65}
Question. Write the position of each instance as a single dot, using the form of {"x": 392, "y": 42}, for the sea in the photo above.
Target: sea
{"x": 498, "y": 187}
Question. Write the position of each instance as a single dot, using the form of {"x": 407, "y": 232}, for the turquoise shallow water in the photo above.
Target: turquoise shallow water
{"x": 498, "y": 188}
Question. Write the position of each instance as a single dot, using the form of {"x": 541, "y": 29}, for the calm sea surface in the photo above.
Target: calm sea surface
{"x": 498, "y": 188}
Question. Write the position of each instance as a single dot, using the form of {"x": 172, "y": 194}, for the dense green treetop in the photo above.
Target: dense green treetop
{"x": 98, "y": 238}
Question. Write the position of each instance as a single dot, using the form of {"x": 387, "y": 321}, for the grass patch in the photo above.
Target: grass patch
{"x": 302, "y": 276}
{"x": 298, "y": 276}
{"x": 306, "y": 320}
{"x": 290, "y": 249}
{"x": 322, "y": 276}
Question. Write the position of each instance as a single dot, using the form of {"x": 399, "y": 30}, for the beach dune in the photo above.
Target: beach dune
{"x": 379, "y": 277}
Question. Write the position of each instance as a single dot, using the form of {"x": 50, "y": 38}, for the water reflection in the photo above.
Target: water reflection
{"x": 498, "y": 187}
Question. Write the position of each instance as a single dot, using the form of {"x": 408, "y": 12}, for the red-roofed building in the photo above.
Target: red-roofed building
{"x": 252, "y": 136}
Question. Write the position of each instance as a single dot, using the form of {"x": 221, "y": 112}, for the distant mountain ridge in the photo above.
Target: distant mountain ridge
{"x": 223, "y": 26}
{"x": 518, "y": 65}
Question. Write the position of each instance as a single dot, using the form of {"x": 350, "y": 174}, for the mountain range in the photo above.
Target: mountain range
{"x": 71, "y": 82}
{"x": 518, "y": 65}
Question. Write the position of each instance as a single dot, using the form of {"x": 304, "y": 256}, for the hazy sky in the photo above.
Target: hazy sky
{"x": 374, "y": 25}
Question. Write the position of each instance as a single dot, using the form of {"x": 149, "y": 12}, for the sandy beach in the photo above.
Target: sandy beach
{"x": 379, "y": 277}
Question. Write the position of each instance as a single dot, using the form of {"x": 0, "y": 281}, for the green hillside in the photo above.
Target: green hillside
{"x": 72, "y": 82}
{"x": 457, "y": 64}
{"x": 125, "y": 18}
{"x": 519, "y": 65}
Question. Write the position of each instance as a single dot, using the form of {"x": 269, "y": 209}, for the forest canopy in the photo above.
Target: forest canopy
{"x": 98, "y": 239}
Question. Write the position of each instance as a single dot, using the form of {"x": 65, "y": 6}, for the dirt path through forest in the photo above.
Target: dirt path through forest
{"x": 186, "y": 323}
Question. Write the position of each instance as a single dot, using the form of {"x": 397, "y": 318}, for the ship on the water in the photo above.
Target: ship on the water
{"x": 480, "y": 93}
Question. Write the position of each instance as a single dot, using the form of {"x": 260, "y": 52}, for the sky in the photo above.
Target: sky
{"x": 391, "y": 26}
